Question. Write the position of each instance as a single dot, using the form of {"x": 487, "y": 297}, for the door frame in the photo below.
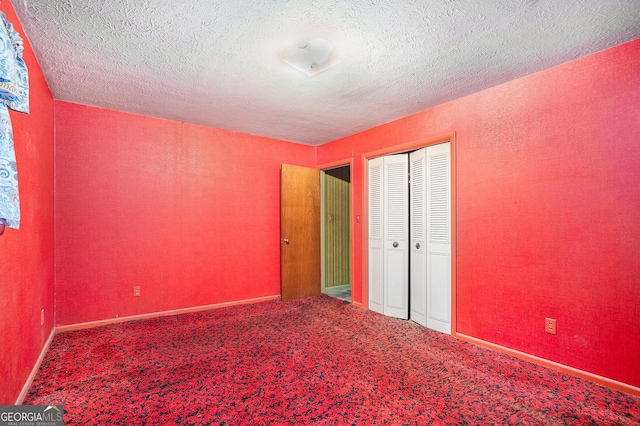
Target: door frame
{"x": 352, "y": 218}
{"x": 398, "y": 149}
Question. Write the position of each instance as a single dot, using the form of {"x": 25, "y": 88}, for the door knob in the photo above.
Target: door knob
{"x": 285, "y": 240}
{"x": 417, "y": 245}
{"x": 395, "y": 244}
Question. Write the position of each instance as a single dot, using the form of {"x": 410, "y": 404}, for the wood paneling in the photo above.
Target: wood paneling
{"x": 337, "y": 249}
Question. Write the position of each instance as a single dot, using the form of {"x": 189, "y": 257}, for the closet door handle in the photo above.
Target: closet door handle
{"x": 395, "y": 244}
{"x": 417, "y": 245}
{"x": 285, "y": 240}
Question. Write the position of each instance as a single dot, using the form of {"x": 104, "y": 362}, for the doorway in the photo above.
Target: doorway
{"x": 410, "y": 236}
{"x": 336, "y": 232}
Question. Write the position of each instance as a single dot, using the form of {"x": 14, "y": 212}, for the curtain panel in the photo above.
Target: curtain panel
{"x": 14, "y": 94}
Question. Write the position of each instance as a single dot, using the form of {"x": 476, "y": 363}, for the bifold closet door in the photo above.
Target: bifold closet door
{"x": 388, "y": 235}
{"x": 410, "y": 224}
{"x": 430, "y": 282}
{"x": 418, "y": 243}
{"x": 376, "y": 279}
{"x": 438, "y": 180}
{"x": 396, "y": 235}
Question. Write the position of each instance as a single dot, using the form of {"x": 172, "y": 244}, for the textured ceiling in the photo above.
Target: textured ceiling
{"x": 219, "y": 63}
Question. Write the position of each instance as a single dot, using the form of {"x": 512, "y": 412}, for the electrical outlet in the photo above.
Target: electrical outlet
{"x": 136, "y": 291}
{"x": 42, "y": 317}
{"x": 550, "y": 325}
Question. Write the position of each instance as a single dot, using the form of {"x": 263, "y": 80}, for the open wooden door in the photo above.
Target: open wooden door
{"x": 299, "y": 232}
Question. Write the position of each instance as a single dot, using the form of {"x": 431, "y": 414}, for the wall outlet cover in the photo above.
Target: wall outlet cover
{"x": 550, "y": 325}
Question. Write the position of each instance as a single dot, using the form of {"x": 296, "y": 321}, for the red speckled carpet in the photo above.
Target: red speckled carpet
{"x": 316, "y": 360}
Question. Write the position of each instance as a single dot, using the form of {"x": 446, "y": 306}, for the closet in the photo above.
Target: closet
{"x": 410, "y": 236}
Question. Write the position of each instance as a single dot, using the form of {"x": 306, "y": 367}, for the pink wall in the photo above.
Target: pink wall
{"x": 26, "y": 269}
{"x": 190, "y": 214}
{"x": 548, "y": 216}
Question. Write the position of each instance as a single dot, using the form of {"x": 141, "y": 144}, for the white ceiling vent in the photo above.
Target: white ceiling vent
{"x": 312, "y": 56}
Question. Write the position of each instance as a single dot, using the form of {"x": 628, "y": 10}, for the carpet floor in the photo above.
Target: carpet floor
{"x": 316, "y": 360}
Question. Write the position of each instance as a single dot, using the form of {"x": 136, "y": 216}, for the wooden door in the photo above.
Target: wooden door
{"x": 299, "y": 232}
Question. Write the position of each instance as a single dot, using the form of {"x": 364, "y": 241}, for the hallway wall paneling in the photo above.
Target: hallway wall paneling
{"x": 336, "y": 216}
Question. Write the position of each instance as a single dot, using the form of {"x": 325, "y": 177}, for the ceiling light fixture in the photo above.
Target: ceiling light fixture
{"x": 312, "y": 56}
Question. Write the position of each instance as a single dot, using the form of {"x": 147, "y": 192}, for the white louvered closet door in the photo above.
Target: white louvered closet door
{"x": 418, "y": 236}
{"x": 396, "y": 235}
{"x": 438, "y": 179}
{"x": 376, "y": 202}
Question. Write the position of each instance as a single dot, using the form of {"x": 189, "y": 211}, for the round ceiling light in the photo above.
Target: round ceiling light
{"x": 311, "y": 56}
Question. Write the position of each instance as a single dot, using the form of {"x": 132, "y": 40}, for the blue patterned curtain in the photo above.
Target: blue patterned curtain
{"x": 14, "y": 94}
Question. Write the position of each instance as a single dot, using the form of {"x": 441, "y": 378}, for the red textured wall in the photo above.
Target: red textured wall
{"x": 26, "y": 268}
{"x": 190, "y": 214}
{"x": 548, "y": 216}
